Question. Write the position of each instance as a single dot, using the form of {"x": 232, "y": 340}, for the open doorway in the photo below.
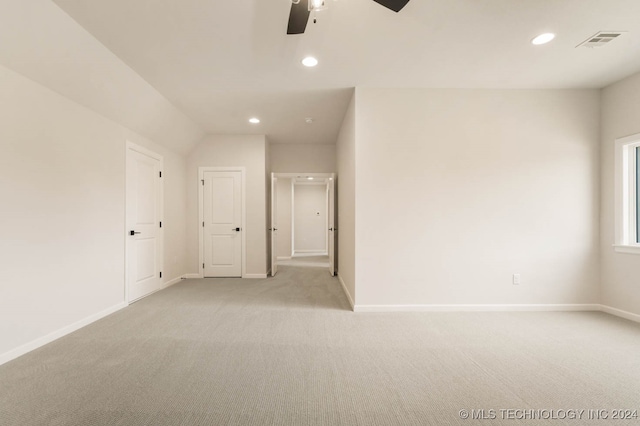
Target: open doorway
{"x": 303, "y": 220}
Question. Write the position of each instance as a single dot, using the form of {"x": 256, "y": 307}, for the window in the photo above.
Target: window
{"x": 628, "y": 194}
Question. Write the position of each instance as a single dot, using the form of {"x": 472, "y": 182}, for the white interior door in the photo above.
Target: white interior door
{"x": 274, "y": 225}
{"x": 222, "y": 222}
{"x": 144, "y": 222}
{"x": 332, "y": 226}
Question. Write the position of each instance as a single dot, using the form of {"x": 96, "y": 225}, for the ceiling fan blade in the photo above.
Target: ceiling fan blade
{"x": 395, "y": 5}
{"x": 298, "y": 18}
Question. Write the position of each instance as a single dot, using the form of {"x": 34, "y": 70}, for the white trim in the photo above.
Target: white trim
{"x": 303, "y": 253}
{"x": 620, "y": 313}
{"x": 145, "y": 151}
{"x": 272, "y": 233}
{"x": 314, "y": 182}
{"x": 254, "y": 276}
{"x": 625, "y": 203}
{"x": 284, "y": 257}
{"x": 620, "y": 248}
{"x": 168, "y": 284}
{"x": 292, "y": 176}
{"x": 477, "y": 308}
{"x": 130, "y": 146}
{"x": 191, "y": 276}
{"x": 243, "y": 197}
{"x": 295, "y": 175}
{"x": 162, "y": 287}
{"x": 293, "y": 217}
{"x": 344, "y": 288}
{"x": 41, "y": 341}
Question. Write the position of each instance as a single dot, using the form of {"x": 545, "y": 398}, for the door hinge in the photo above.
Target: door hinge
{"x": 202, "y": 180}
{"x": 160, "y": 224}
{"x": 203, "y": 266}
{"x": 160, "y": 274}
{"x": 203, "y": 224}
{"x": 160, "y": 174}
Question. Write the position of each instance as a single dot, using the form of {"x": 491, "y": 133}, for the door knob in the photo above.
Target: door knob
{"x": 235, "y": 229}
{"x": 133, "y": 232}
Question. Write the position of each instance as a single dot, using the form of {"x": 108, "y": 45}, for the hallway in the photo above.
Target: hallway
{"x": 313, "y": 261}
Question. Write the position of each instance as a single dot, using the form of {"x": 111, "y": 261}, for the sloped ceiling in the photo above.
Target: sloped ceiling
{"x": 221, "y": 62}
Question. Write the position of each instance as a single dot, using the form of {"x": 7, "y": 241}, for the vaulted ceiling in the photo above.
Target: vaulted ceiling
{"x": 222, "y": 62}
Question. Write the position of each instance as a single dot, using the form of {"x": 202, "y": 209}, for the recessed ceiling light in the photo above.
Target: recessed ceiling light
{"x": 543, "y": 38}
{"x": 308, "y": 120}
{"x": 254, "y": 120}
{"x": 309, "y": 177}
{"x": 309, "y": 61}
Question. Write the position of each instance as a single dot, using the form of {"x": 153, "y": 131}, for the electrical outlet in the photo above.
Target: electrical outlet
{"x": 516, "y": 279}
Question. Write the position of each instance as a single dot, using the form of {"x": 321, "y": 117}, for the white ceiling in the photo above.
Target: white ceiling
{"x": 222, "y": 62}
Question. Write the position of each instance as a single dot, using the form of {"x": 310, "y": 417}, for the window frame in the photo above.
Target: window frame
{"x": 626, "y": 194}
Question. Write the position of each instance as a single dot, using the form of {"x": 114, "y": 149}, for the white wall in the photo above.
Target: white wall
{"x": 283, "y": 187}
{"x": 346, "y": 194}
{"x": 311, "y": 158}
{"x": 230, "y": 151}
{"x": 309, "y": 218}
{"x": 63, "y": 173}
{"x": 620, "y": 272}
{"x": 459, "y": 189}
{"x": 62, "y": 180}
{"x": 47, "y": 46}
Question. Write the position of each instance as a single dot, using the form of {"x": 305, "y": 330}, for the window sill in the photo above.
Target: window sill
{"x": 626, "y": 249}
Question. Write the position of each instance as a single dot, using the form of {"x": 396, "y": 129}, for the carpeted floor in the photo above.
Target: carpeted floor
{"x": 287, "y": 351}
{"x": 315, "y": 261}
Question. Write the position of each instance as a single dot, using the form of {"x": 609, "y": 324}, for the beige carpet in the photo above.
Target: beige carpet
{"x": 315, "y": 261}
{"x": 287, "y": 351}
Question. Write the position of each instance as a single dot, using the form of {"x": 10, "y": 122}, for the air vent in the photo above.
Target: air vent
{"x": 601, "y": 39}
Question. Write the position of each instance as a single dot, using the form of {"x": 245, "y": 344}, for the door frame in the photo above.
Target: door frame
{"x": 201, "y": 171}
{"x": 273, "y": 230}
{"x": 314, "y": 175}
{"x": 130, "y": 146}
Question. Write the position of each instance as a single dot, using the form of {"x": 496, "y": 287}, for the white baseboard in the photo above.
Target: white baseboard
{"x": 284, "y": 257}
{"x": 162, "y": 287}
{"x": 195, "y": 276}
{"x": 477, "y": 308}
{"x": 35, "y": 344}
{"x": 344, "y": 288}
{"x": 620, "y": 313}
{"x": 255, "y": 276}
{"x": 172, "y": 282}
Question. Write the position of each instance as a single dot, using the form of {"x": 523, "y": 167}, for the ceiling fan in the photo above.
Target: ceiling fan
{"x": 301, "y": 9}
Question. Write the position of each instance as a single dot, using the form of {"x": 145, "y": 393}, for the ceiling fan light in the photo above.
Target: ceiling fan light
{"x": 317, "y": 5}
